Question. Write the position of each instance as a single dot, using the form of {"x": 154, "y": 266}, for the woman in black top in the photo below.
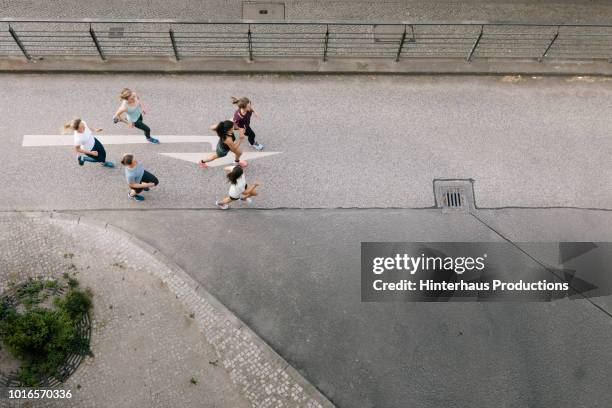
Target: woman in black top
{"x": 227, "y": 143}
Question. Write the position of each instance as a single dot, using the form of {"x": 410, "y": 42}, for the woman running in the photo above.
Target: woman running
{"x": 227, "y": 143}
{"x": 134, "y": 110}
{"x": 89, "y": 148}
{"x": 137, "y": 177}
{"x": 242, "y": 120}
{"x": 239, "y": 189}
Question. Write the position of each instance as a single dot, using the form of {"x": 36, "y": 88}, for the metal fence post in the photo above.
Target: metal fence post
{"x": 549, "y": 45}
{"x": 469, "y": 58}
{"x": 401, "y": 45}
{"x": 19, "y": 44}
{"x": 250, "y": 44}
{"x": 95, "y": 40}
{"x": 326, "y": 42}
{"x": 174, "y": 47}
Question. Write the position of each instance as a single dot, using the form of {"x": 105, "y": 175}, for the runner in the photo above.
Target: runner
{"x": 134, "y": 110}
{"x": 137, "y": 177}
{"x": 239, "y": 190}
{"x": 227, "y": 143}
{"x": 242, "y": 120}
{"x": 89, "y": 148}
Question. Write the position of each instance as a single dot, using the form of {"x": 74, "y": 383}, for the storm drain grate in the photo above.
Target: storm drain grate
{"x": 258, "y": 11}
{"x": 454, "y": 195}
{"x": 453, "y": 198}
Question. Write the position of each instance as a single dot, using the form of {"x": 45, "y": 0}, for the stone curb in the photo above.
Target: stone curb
{"x": 292, "y": 384}
{"x": 240, "y": 66}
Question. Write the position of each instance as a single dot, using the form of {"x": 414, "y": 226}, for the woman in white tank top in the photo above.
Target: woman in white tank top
{"x": 239, "y": 189}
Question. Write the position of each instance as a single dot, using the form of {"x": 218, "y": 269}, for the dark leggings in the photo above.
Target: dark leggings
{"x": 143, "y": 127}
{"x": 250, "y": 134}
{"x": 101, "y": 157}
{"x": 147, "y": 178}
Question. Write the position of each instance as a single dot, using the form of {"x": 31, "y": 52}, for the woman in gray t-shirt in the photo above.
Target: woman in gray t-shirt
{"x": 137, "y": 177}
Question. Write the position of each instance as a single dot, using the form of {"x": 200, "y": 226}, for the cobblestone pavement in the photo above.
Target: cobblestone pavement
{"x": 148, "y": 322}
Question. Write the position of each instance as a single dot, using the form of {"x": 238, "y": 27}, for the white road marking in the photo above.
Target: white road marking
{"x": 68, "y": 140}
{"x": 224, "y": 161}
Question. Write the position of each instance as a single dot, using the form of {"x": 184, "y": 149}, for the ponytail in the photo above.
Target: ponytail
{"x": 241, "y": 102}
{"x": 235, "y": 174}
{"x": 125, "y": 94}
{"x": 223, "y": 127}
{"x": 72, "y": 125}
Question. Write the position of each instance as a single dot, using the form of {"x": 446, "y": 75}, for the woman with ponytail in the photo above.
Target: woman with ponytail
{"x": 134, "y": 111}
{"x": 242, "y": 120}
{"x": 89, "y": 148}
{"x": 239, "y": 189}
{"x": 227, "y": 143}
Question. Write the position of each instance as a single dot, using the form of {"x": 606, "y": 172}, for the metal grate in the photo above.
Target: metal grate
{"x": 255, "y": 11}
{"x": 454, "y": 195}
{"x": 453, "y": 198}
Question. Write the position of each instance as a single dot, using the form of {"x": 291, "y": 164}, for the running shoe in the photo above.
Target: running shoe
{"x": 80, "y": 160}
{"x": 146, "y": 189}
{"x": 248, "y": 200}
{"x": 152, "y": 140}
{"x": 108, "y": 164}
{"x": 257, "y": 146}
{"x": 242, "y": 163}
{"x": 222, "y": 206}
{"x": 136, "y": 197}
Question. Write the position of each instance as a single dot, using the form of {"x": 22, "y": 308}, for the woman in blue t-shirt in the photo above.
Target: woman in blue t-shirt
{"x": 137, "y": 177}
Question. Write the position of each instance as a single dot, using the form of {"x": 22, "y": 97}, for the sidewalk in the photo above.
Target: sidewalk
{"x": 158, "y": 339}
{"x": 546, "y": 11}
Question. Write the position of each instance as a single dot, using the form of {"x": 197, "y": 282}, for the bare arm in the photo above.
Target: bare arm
{"x": 141, "y": 185}
{"x": 233, "y": 146}
{"x": 119, "y": 114}
{"x": 83, "y": 151}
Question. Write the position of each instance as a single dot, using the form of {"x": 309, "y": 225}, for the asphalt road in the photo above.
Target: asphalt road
{"x": 361, "y": 141}
{"x": 290, "y": 270}
{"x": 294, "y": 277}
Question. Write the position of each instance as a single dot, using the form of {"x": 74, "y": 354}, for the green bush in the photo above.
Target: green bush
{"x": 43, "y": 338}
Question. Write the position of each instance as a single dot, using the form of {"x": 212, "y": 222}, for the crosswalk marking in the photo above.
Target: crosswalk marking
{"x": 68, "y": 140}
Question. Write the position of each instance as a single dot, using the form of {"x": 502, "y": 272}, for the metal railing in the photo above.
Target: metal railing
{"x": 469, "y": 41}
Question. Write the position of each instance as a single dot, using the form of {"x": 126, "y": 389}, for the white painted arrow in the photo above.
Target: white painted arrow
{"x": 68, "y": 140}
{"x": 224, "y": 161}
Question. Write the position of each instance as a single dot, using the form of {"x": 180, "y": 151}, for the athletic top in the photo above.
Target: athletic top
{"x": 132, "y": 113}
{"x": 85, "y": 140}
{"x": 222, "y": 146}
{"x": 242, "y": 121}
{"x": 134, "y": 175}
{"x": 236, "y": 190}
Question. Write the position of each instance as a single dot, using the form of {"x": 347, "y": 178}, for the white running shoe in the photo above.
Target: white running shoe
{"x": 258, "y": 146}
{"x": 222, "y": 206}
{"x": 248, "y": 200}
